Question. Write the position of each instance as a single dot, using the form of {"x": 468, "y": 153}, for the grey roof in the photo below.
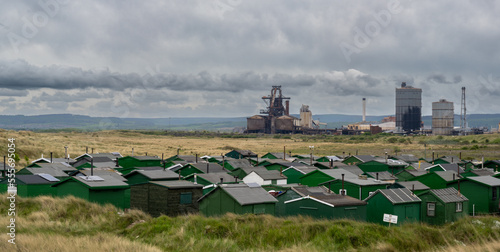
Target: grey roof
{"x": 397, "y": 195}
{"x": 212, "y": 168}
{"x": 151, "y": 168}
{"x": 487, "y": 180}
{"x": 416, "y": 173}
{"x": 365, "y": 158}
{"x": 384, "y": 175}
{"x": 33, "y": 179}
{"x": 483, "y": 172}
{"x": 303, "y": 170}
{"x": 239, "y": 163}
{"x": 269, "y": 175}
{"x": 246, "y": 195}
{"x": 423, "y": 165}
{"x": 407, "y": 158}
{"x": 448, "y": 175}
{"x": 448, "y": 195}
{"x": 246, "y": 153}
{"x": 188, "y": 158}
{"x": 174, "y": 184}
{"x": 452, "y": 167}
{"x": 146, "y": 157}
{"x": 215, "y": 177}
{"x": 112, "y": 155}
{"x": 279, "y": 155}
{"x": 108, "y": 181}
{"x": 248, "y": 170}
{"x": 391, "y": 162}
{"x": 451, "y": 159}
{"x": 56, "y": 166}
{"x": 366, "y": 182}
{"x": 100, "y": 172}
{"x": 353, "y": 169}
{"x": 47, "y": 170}
{"x": 156, "y": 174}
{"x": 337, "y": 173}
{"x": 417, "y": 185}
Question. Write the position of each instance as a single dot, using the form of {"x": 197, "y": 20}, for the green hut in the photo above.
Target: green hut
{"x": 317, "y": 177}
{"x": 415, "y": 186}
{"x": 198, "y": 168}
{"x": 231, "y": 165}
{"x": 31, "y": 185}
{"x": 355, "y": 160}
{"x": 358, "y": 188}
{"x": 294, "y": 174}
{"x": 400, "y": 202}
{"x": 408, "y": 174}
{"x": 317, "y": 202}
{"x": 100, "y": 189}
{"x": 170, "y": 198}
{"x": 238, "y": 199}
{"x": 441, "y": 206}
{"x": 437, "y": 180}
{"x": 482, "y": 192}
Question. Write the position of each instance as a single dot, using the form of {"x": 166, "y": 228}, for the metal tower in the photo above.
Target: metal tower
{"x": 463, "y": 112}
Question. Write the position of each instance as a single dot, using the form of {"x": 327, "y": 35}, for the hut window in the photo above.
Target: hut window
{"x": 431, "y": 209}
{"x": 186, "y": 198}
{"x": 459, "y": 207}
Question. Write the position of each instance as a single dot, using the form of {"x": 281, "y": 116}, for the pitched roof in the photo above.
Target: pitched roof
{"x": 269, "y": 175}
{"x": 303, "y": 170}
{"x": 407, "y": 158}
{"x": 448, "y": 195}
{"x": 354, "y": 169}
{"x": 246, "y": 195}
{"x": 397, "y": 195}
{"x": 34, "y": 179}
{"x": 47, "y": 170}
{"x": 56, "y": 166}
{"x": 486, "y": 180}
{"x": 100, "y": 172}
{"x": 239, "y": 163}
{"x": 246, "y": 153}
{"x": 365, "y": 158}
{"x": 416, "y": 185}
{"x": 146, "y": 157}
{"x": 337, "y": 173}
{"x": 155, "y": 174}
{"x": 366, "y": 182}
{"x": 175, "y": 184}
{"x": 212, "y": 168}
{"x": 384, "y": 175}
{"x": 483, "y": 172}
{"x": 215, "y": 177}
{"x": 448, "y": 175}
{"x": 452, "y": 167}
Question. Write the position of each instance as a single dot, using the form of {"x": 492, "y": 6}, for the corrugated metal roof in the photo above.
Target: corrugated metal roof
{"x": 33, "y": 179}
{"x": 101, "y": 171}
{"x": 245, "y": 195}
{"x": 212, "y": 168}
{"x": 365, "y": 158}
{"x": 385, "y": 175}
{"x": 47, "y": 170}
{"x": 174, "y": 184}
{"x": 399, "y": 195}
{"x": 487, "y": 180}
{"x": 215, "y": 177}
{"x": 239, "y": 163}
{"x": 337, "y": 173}
{"x": 268, "y": 175}
{"x": 448, "y": 195}
{"x": 448, "y": 175}
{"x": 158, "y": 174}
{"x": 483, "y": 172}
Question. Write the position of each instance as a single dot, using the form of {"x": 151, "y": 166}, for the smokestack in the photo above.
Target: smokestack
{"x": 91, "y": 166}
{"x": 51, "y": 157}
{"x": 377, "y": 175}
{"x": 364, "y": 109}
{"x": 196, "y": 155}
{"x": 287, "y": 108}
{"x": 208, "y": 167}
{"x": 66, "y": 152}
{"x": 331, "y": 163}
{"x": 146, "y": 153}
{"x": 460, "y": 155}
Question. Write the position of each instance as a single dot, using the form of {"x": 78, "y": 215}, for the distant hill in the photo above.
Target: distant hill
{"x": 63, "y": 121}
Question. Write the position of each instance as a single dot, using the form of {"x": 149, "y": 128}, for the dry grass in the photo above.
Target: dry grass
{"x": 34, "y": 144}
{"x": 60, "y": 243}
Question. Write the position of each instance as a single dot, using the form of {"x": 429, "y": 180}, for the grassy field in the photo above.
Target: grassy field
{"x": 31, "y": 145}
{"x": 70, "y": 224}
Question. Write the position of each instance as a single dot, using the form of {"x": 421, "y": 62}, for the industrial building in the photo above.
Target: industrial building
{"x": 442, "y": 117}
{"x": 408, "y": 108}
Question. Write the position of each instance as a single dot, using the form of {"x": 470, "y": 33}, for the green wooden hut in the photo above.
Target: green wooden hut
{"x": 231, "y": 165}
{"x": 406, "y": 174}
{"x": 277, "y": 155}
{"x": 243, "y": 172}
{"x": 139, "y": 161}
{"x": 170, "y": 198}
{"x": 494, "y": 164}
{"x": 437, "y": 180}
{"x": 198, "y": 168}
{"x": 400, "y": 202}
{"x": 317, "y": 177}
{"x": 415, "y": 186}
{"x": 31, "y": 185}
{"x": 317, "y": 202}
{"x": 441, "y": 206}
{"x": 238, "y": 199}
{"x": 482, "y": 192}
{"x": 100, "y": 189}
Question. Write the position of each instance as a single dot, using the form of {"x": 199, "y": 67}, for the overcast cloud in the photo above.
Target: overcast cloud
{"x": 219, "y": 57}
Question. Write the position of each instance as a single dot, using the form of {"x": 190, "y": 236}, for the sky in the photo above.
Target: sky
{"x": 217, "y": 58}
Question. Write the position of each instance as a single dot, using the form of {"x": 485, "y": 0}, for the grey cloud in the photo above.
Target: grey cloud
{"x": 12, "y": 92}
{"x": 441, "y": 79}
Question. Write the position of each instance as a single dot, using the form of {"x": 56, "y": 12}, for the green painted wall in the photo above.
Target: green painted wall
{"x": 130, "y": 162}
{"x": 353, "y": 190}
{"x": 480, "y": 197}
{"x": 374, "y": 166}
{"x": 404, "y": 176}
{"x": 378, "y": 205}
{"x": 270, "y": 156}
{"x": 137, "y": 178}
{"x": 314, "y": 178}
{"x": 293, "y": 176}
{"x": 113, "y": 196}
{"x": 188, "y": 170}
{"x": 431, "y": 180}
{"x": 352, "y": 161}
{"x": 444, "y": 213}
{"x": 280, "y": 206}
{"x": 318, "y": 210}
{"x": 219, "y": 202}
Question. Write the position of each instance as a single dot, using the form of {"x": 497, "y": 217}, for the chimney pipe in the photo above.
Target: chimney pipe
{"x": 132, "y": 151}
{"x": 223, "y": 162}
{"x": 453, "y": 176}
{"x": 235, "y": 179}
{"x": 178, "y": 149}
{"x": 343, "y": 193}
{"x": 413, "y": 188}
{"x": 482, "y": 163}
{"x": 460, "y": 155}
{"x": 284, "y": 152}
{"x": 377, "y": 175}
{"x": 92, "y": 150}
{"x": 91, "y": 166}
{"x": 331, "y": 163}
{"x": 196, "y": 178}
{"x": 364, "y": 109}
{"x": 287, "y": 108}
{"x": 51, "y": 157}
{"x": 208, "y": 167}
{"x": 66, "y": 152}
{"x": 196, "y": 155}
{"x": 146, "y": 153}
{"x": 116, "y": 161}
{"x": 86, "y": 149}
{"x": 433, "y": 157}
{"x": 356, "y": 152}
{"x": 221, "y": 180}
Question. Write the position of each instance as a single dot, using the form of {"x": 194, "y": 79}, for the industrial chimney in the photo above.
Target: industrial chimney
{"x": 364, "y": 109}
